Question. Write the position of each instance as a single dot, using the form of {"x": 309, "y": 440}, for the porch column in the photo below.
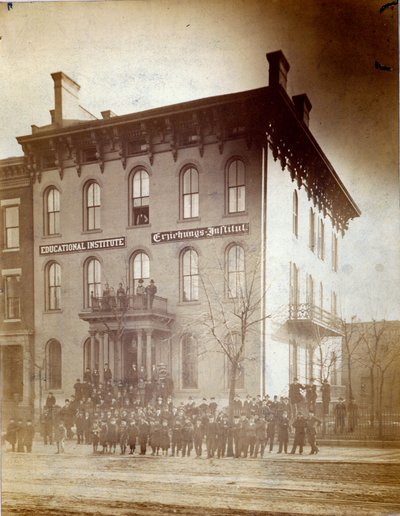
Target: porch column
{"x": 310, "y": 363}
{"x": 101, "y": 357}
{"x": 121, "y": 358}
{"x": 139, "y": 349}
{"x": 27, "y": 370}
{"x": 110, "y": 344}
{"x": 148, "y": 353}
{"x": 92, "y": 350}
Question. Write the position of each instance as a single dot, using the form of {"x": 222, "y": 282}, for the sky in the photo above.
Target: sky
{"x": 132, "y": 55}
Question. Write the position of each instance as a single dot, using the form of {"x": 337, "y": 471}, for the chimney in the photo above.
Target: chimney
{"x": 278, "y": 69}
{"x": 303, "y": 107}
{"x": 66, "y": 98}
{"x": 108, "y": 114}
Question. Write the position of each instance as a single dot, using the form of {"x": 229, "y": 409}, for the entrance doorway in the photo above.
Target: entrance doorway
{"x": 13, "y": 370}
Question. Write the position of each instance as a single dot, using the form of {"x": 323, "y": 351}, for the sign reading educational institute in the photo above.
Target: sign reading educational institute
{"x": 198, "y": 233}
{"x": 84, "y": 245}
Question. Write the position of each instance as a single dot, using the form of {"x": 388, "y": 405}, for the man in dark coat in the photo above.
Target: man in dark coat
{"x": 198, "y": 436}
{"x": 299, "y": 425}
{"x": 340, "y": 416}
{"x": 211, "y": 437}
{"x": 283, "y": 432}
{"x": 144, "y": 431}
{"x": 29, "y": 435}
{"x": 47, "y": 420}
{"x": 295, "y": 395}
{"x": 326, "y": 396}
{"x": 222, "y": 430}
{"x": 20, "y": 436}
{"x": 312, "y": 424}
{"x": 11, "y": 435}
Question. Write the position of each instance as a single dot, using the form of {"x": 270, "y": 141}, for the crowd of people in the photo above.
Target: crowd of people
{"x": 124, "y": 418}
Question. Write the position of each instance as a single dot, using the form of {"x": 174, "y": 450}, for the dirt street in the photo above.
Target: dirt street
{"x": 337, "y": 481}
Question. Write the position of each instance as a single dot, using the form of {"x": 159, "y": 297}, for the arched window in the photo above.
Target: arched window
{"x": 92, "y": 280}
{"x": 310, "y": 290}
{"x": 321, "y": 239}
{"x": 312, "y": 230}
{"x": 140, "y": 198}
{"x": 334, "y": 252}
{"x": 92, "y": 206}
{"x": 295, "y": 214}
{"x": 190, "y": 193}
{"x": 140, "y": 269}
{"x": 235, "y": 272}
{"x": 189, "y": 362}
{"x": 53, "y": 286}
{"x": 236, "y": 186}
{"x": 190, "y": 275}
{"x": 53, "y": 365}
{"x": 233, "y": 344}
{"x": 52, "y": 211}
{"x": 294, "y": 284}
{"x": 88, "y": 360}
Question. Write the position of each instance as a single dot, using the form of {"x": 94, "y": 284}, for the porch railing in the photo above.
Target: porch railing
{"x": 112, "y": 304}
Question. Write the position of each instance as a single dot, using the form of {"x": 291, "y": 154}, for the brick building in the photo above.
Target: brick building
{"x": 16, "y": 294}
{"x": 202, "y": 197}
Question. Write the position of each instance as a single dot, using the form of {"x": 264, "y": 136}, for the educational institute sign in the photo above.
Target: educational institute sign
{"x": 199, "y": 233}
{"x": 83, "y": 245}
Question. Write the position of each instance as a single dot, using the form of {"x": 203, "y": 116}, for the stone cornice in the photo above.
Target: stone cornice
{"x": 252, "y": 115}
{"x": 13, "y": 173}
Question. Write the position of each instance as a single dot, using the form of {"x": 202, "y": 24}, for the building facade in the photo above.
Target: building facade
{"x": 215, "y": 200}
{"x": 16, "y": 294}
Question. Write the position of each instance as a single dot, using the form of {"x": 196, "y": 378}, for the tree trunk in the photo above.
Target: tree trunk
{"x": 372, "y": 395}
{"x": 380, "y": 415}
{"x": 349, "y": 386}
{"x": 232, "y": 387}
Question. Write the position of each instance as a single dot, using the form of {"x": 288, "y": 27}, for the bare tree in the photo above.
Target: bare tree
{"x": 352, "y": 338}
{"x": 382, "y": 355}
{"x": 230, "y": 320}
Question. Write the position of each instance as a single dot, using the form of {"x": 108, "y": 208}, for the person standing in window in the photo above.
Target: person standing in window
{"x": 141, "y": 294}
{"x": 151, "y": 290}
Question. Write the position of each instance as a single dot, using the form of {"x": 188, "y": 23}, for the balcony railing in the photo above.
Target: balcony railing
{"x": 124, "y": 304}
{"x": 308, "y": 313}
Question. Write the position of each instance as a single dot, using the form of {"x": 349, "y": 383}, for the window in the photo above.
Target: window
{"x": 236, "y": 186}
{"x": 294, "y": 284}
{"x": 88, "y": 360}
{"x": 295, "y": 221}
{"x": 53, "y": 364}
{"x": 321, "y": 239}
{"x": 310, "y": 290}
{"x": 189, "y": 362}
{"x": 334, "y": 252}
{"x": 11, "y": 225}
{"x": 312, "y": 230}
{"x": 89, "y": 154}
{"x": 190, "y": 193}
{"x": 140, "y": 198}
{"x": 140, "y": 269}
{"x": 293, "y": 369}
{"x": 190, "y": 275}
{"x": 93, "y": 280}
{"x": 12, "y": 297}
{"x": 321, "y": 296}
{"x": 334, "y": 304}
{"x": 233, "y": 343}
{"x": 53, "y": 282}
{"x": 52, "y": 212}
{"x": 92, "y": 206}
{"x": 236, "y": 272}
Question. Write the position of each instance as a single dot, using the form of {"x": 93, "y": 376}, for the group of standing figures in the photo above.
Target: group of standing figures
{"x": 119, "y": 299}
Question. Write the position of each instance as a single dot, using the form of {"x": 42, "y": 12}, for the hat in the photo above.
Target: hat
{"x": 151, "y": 281}
{"x": 140, "y": 281}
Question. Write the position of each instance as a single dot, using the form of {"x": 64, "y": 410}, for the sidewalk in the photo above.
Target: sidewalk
{"x": 341, "y": 453}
